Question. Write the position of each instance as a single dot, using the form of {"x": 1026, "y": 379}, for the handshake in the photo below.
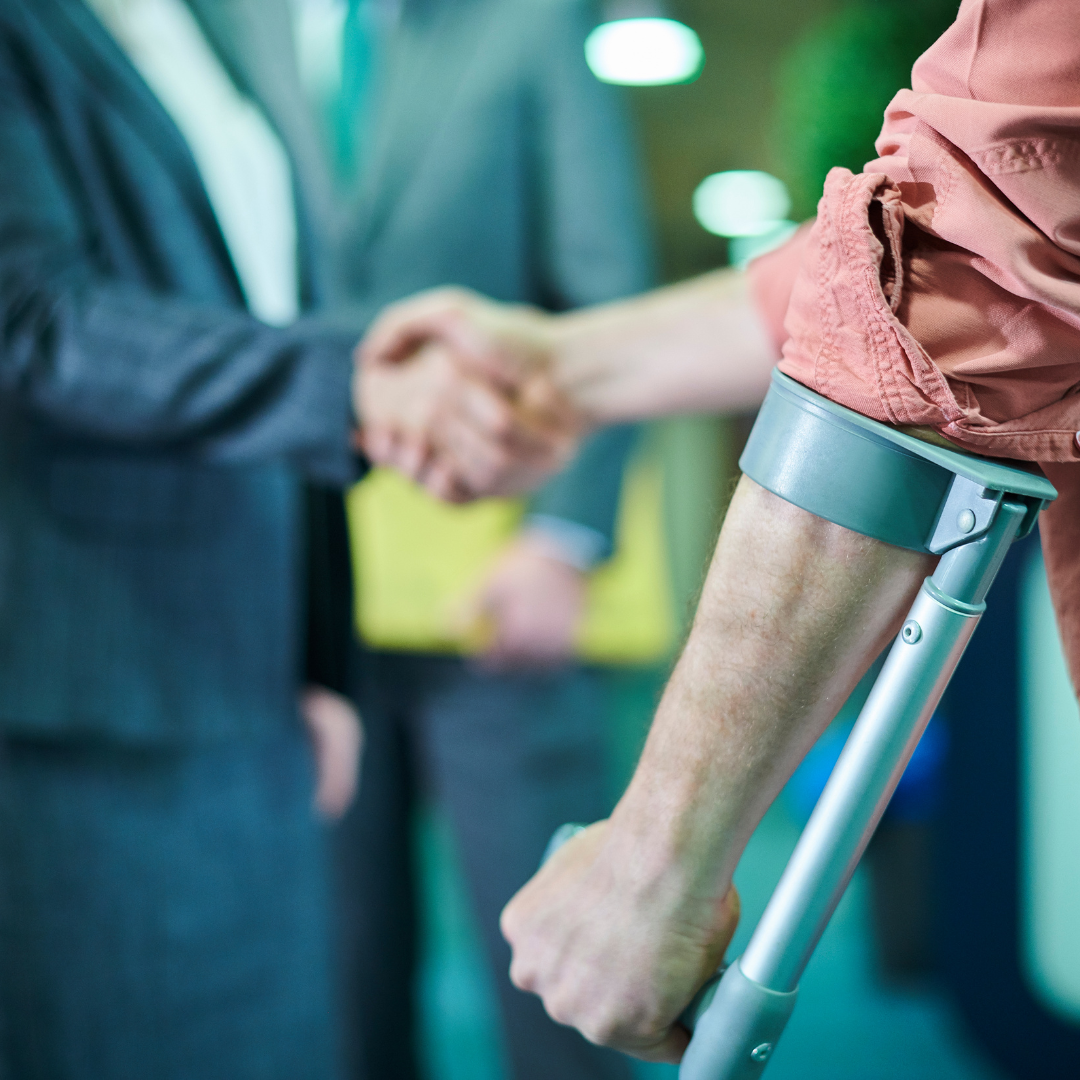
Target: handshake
{"x": 463, "y": 395}
{"x": 474, "y": 398}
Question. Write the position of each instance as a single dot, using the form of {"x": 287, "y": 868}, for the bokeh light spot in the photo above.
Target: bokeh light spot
{"x": 644, "y": 52}
{"x": 742, "y": 202}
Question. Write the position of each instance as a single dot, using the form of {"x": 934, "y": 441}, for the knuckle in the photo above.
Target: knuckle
{"x": 599, "y": 1032}
{"x": 508, "y": 922}
{"x": 611, "y": 1021}
{"x": 486, "y": 474}
{"x": 561, "y": 1007}
{"x": 599, "y": 1026}
{"x": 501, "y": 422}
{"x": 522, "y": 975}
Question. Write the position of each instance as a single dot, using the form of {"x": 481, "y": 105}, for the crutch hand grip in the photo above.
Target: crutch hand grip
{"x": 736, "y": 1030}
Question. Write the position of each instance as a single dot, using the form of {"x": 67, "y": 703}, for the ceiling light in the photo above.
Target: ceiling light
{"x": 742, "y": 202}
{"x": 644, "y": 52}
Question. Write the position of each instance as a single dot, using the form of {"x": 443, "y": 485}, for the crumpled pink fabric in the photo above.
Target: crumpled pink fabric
{"x": 941, "y": 286}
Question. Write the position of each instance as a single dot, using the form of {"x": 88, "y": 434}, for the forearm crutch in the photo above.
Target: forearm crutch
{"x": 883, "y": 483}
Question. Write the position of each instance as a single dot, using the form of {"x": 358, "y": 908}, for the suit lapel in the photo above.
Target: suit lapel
{"x": 77, "y": 30}
{"x": 429, "y": 58}
{"x": 254, "y": 40}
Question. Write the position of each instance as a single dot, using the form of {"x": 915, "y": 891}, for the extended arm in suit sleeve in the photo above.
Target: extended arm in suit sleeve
{"x": 594, "y": 243}
{"x": 95, "y": 356}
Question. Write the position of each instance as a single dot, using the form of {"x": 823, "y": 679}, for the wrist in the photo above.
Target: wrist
{"x": 671, "y": 841}
{"x": 666, "y": 861}
{"x": 682, "y": 817}
{"x": 565, "y": 541}
{"x": 579, "y": 369}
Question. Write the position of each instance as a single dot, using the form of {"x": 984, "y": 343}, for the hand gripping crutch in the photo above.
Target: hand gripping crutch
{"x": 891, "y": 486}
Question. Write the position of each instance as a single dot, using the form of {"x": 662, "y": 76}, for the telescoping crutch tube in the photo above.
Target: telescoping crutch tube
{"x": 883, "y": 483}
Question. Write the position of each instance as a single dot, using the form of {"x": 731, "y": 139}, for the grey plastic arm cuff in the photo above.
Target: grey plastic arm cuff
{"x": 876, "y": 480}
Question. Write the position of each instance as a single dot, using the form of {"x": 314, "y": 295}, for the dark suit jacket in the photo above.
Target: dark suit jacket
{"x": 497, "y": 161}
{"x": 153, "y": 436}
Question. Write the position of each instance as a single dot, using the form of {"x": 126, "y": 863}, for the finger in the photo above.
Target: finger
{"x": 530, "y": 435}
{"x": 336, "y": 738}
{"x": 378, "y": 443}
{"x": 669, "y": 1050}
{"x": 540, "y": 399}
{"x": 502, "y": 653}
{"x": 413, "y": 457}
{"x": 728, "y": 915}
{"x": 497, "y": 441}
{"x": 447, "y": 317}
{"x": 441, "y": 480}
{"x": 513, "y": 646}
{"x": 336, "y": 778}
{"x": 401, "y": 327}
{"x": 486, "y": 409}
{"x": 476, "y": 608}
{"x": 392, "y": 448}
{"x": 479, "y": 464}
{"x": 608, "y": 1028}
{"x": 523, "y": 973}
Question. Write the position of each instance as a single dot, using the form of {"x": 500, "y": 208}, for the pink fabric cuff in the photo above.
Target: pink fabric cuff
{"x": 861, "y": 285}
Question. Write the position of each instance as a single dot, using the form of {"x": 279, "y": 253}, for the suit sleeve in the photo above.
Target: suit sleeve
{"x": 594, "y": 242}
{"x": 93, "y": 356}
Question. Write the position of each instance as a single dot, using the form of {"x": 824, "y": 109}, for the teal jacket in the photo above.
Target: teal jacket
{"x": 495, "y": 160}
{"x": 154, "y": 437}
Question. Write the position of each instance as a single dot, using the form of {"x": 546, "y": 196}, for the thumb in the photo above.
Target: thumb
{"x": 444, "y": 318}
{"x": 474, "y": 616}
{"x": 726, "y": 923}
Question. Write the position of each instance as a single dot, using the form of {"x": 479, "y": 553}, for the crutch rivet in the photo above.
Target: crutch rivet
{"x": 965, "y": 520}
{"x": 912, "y": 632}
{"x": 762, "y": 1052}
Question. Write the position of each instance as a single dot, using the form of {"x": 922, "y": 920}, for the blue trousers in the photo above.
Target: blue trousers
{"x": 507, "y": 757}
{"x": 164, "y": 914}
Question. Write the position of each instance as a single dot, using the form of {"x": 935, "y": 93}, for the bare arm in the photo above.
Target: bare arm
{"x": 694, "y": 347}
{"x": 620, "y": 928}
{"x": 698, "y": 346}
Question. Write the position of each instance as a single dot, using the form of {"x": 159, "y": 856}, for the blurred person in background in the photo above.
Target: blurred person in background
{"x": 163, "y": 399}
{"x": 471, "y": 145}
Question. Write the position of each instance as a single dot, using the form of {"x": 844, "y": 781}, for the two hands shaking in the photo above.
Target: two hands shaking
{"x": 471, "y": 398}
{"x": 461, "y": 394}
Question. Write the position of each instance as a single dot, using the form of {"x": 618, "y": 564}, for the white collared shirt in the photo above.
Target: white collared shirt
{"x": 244, "y": 168}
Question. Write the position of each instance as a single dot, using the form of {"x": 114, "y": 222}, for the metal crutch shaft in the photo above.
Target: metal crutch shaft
{"x": 737, "y": 1025}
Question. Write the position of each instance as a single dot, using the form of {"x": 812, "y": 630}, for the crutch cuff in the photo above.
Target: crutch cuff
{"x": 876, "y": 480}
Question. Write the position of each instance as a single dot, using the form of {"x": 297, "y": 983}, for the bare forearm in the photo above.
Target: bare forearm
{"x": 629, "y": 918}
{"x": 694, "y": 347}
{"x": 793, "y": 612}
